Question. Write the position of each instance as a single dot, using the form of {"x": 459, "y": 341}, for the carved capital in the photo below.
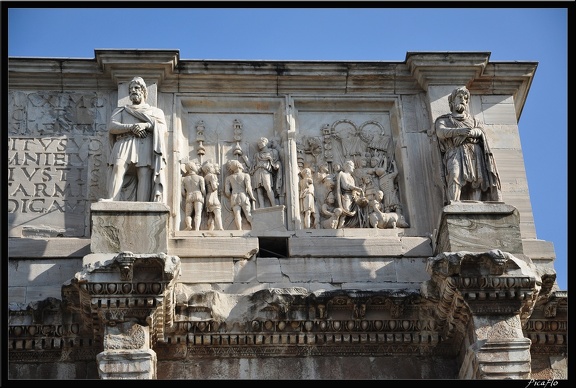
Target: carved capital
{"x": 129, "y": 288}
{"x": 492, "y": 283}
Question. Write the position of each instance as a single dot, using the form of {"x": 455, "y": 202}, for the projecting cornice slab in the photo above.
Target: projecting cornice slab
{"x": 121, "y": 65}
{"x": 446, "y": 68}
{"x": 473, "y": 70}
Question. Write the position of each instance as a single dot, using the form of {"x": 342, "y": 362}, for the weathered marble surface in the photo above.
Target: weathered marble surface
{"x": 479, "y": 226}
{"x": 138, "y": 227}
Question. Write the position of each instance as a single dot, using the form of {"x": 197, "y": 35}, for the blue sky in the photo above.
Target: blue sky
{"x": 537, "y": 34}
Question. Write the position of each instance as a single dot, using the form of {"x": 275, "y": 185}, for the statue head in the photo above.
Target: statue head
{"x": 458, "y": 99}
{"x": 235, "y": 166}
{"x": 191, "y": 168}
{"x": 208, "y": 168}
{"x": 137, "y": 87}
{"x": 262, "y": 143}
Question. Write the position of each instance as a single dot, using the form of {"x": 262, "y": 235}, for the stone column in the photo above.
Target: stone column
{"x": 485, "y": 293}
{"x": 127, "y": 353}
{"x": 126, "y": 286}
{"x": 483, "y": 300}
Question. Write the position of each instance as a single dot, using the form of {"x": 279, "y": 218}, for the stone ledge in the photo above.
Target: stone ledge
{"x": 48, "y": 247}
{"x": 235, "y": 247}
{"x": 478, "y": 207}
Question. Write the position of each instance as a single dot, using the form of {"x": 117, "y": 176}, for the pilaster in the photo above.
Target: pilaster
{"x": 128, "y": 300}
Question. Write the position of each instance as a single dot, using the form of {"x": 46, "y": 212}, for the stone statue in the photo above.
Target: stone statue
{"x": 193, "y": 191}
{"x": 265, "y": 166}
{"x": 469, "y": 168}
{"x": 307, "y": 198}
{"x": 138, "y": 156}
{"x": 239, "y": 190}
{"x": 213, "y": 206}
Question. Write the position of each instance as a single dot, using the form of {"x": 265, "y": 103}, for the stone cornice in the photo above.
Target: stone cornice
{"x": 416, "y": 73}
{"x": 547, "y": 326}
{"x": 473, "y": 69}
{"x": 342, "y": 323}
{"x": 57, "y": 74}
{"x": 152, "y": 65}
{"x": 446, "y": 68}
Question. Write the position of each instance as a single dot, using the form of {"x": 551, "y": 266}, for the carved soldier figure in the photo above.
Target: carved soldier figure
{"x": 137, "y": 134}
{"x": 469, "y": 167}
{"x": 265, "y": 166}
{"x": 213, "y": 205}
{"x": 333, "y": 214}
{"x": 194, "y": 191}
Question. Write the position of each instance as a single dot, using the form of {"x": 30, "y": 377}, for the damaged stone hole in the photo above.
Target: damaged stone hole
{"x": 272, "y": 247}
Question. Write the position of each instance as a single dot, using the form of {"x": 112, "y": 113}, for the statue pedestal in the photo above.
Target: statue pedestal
{"x": 138, "y": 227}
{"x": 269, "y": 219}
{"x": 479, "y": 226}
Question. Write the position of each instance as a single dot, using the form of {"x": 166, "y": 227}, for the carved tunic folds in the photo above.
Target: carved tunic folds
{"x": 466, "y": 159}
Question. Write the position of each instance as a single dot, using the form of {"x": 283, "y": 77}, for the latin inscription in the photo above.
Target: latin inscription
{"x": 56, "y": 159}
{"x": 50, "y": 174}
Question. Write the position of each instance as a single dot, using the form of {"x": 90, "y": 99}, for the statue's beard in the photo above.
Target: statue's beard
{"x": 136, "y": 98}
{"x": 460, "y": 108}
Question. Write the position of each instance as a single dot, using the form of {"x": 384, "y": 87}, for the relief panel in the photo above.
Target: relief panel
{"x": 345, "y": 157}
{"x": 218, "y": 132}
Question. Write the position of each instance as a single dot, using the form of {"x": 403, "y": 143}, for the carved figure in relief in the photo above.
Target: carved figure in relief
{"x": 265, "y": 166}
{"x": 470, "y": 171}
{"x": 193, "y": 191}
{"x": 361, "y": 169}
{"x": 279, "y": 174}
{"x": 387, "y": 183}
{"x": 323, "y": 182}
{"x": 137, "y": 135}
{"x": 347, "y": 191}
{"x": 322, "y": 172}
{"x": 333, "y": 214}
{"x": 213, "y": 205}
{"x": 307, "y": 198}
{"x": 239, "y": 190}
{"x": 384, "y": 220}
